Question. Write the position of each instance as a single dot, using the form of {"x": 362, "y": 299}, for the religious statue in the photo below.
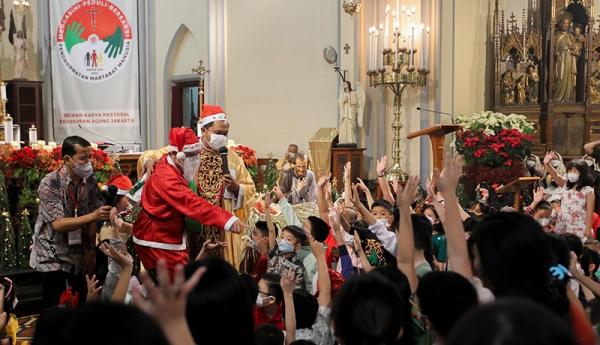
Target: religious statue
{"x": 533, "y": 84}
{"x": 521, "y": 89}
{"x": 506, "y": 88}
{"x": 352, "y": 104}
{"x": 567, "y": 47}
{"x": 595, "y": 86}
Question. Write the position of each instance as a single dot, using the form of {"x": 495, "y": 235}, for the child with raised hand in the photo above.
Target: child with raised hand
{"x": 577, "y": 198}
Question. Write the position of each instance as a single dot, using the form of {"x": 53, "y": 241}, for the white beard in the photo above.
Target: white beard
{"x": 190, "y": 167}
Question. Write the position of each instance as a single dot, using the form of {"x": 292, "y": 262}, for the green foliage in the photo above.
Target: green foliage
{"x": 8, "y": 256}
{"x": 271, "y": 175}
{"x": 24, "y": 239}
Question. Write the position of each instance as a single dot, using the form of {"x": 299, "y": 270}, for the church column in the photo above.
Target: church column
{"x": 215, "y": 87}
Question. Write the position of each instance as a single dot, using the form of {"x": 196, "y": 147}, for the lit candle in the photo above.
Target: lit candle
{"x": 8, "y": 129}
{"x": 41, "y": 143}
{"x": 421, "y": 58}
{"x": 94, "y": 146}
{"x": 386, "y": 36}
{"x": 398, "y": 6}
{"x": 380, "y": 52}
{"x": 426, "y": 55}
{"x": 376, "y": 50}
{"x": 412, "y": 45}
{"x": 32, "y": 134}
{"x": 52, "y": 144}
{"x": 369, "y": 63}
{"x": 3, "y": 91}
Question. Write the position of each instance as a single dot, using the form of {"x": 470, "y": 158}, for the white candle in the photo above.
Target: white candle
{"x": 380, "y": 52}
{"x": 48, "y": 148}
{"x": 3, "y": 91}
{"x": 426, "y": 55}
{"x": 387, "y": 27}
{"x": 94, "y": 146}
{"x": 412, "y": 45}
{"x": 376, "y": 50}
{"x": 52, "y": 144}
{"x": 398, "y": 6}
{"x": 421, "y": 57}
{"x": 15, "y": 145}
{"x": 8, "y": 129}
{"x": 32, "y": 134}
{"x": 41, "y": 143}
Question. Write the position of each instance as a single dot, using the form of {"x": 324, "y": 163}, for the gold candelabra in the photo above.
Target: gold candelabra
{"x": 397, "y": 72}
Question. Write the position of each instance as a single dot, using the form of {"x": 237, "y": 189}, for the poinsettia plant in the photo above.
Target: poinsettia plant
{"x": 248, "y": 155}
{"x": 494, "y": 146}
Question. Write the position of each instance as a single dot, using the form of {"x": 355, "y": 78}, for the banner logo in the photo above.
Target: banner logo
{"x": 94, "y": 40}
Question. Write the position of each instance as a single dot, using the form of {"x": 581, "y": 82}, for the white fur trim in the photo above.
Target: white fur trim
{"x": 230, "y": 223}
{"x": 160, "y": 245}
{"x": 192, "y": 147}
{"x": 172, "y": 148}
{"x": 122, "y": 191}
{"x": 212, "y": 118}
{"x": 180, "y": 155}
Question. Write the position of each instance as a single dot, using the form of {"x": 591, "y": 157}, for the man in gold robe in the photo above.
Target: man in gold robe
{"x": 234, "y": 191}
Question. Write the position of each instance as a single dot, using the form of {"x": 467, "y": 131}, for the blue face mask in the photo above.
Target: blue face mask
{"x": 284, "y": 247}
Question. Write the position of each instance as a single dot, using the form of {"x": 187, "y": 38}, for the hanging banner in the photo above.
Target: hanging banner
{"x": 95, "y": 74}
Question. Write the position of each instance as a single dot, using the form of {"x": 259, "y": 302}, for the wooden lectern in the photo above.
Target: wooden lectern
{"x": 515, "y": 187}
{"x": 436, "y": 134}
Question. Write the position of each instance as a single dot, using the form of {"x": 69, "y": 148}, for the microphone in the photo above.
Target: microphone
{"x": 110, "y": 141}
{"x": 438, "y": 112}
{"x": 223, "y": 153}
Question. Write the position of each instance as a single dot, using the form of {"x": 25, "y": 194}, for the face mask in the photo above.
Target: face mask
{"x": 217, "y": 141}
{"x": 285, "y": 247}
{"x": 83, "y": 170}
{"x": 573, "y": 177}
{"x": 190, "y": 167}
{"x": 554, "y": 163}
{"x": 348, "y": 239}
{"x": 530, "y": 164}
{"x": 260, "y": 302}
{"x": 385, "y": 222}
{"x": 544, "y": 221}
{"x": 589, "y": 163}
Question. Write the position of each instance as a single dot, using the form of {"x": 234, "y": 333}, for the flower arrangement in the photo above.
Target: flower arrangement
{"x": 248, "y": 155}
{"x": 494, "y": 145}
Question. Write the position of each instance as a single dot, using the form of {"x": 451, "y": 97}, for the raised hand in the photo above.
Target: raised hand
{"x": 447, "y": 180}
{"x": 406, "y": 195}
{"x": 93, "y": 290}
{"x": 430, "y": 189}
{"x": 361, "y": 184}
{"x": 381, "y": 165}
{"x": 347, "y": 170}
{"x": 115, "y": 43}
{"x": 322, "y": 183}
{"x": 73, "y": 35}
{"x": 549, "y": 157}
{"x": 167, "y": 301}
{"x": 278, "y": 193}
{"x": 357, "y": 245}
{"x": 355, "y": 196}
{"x": 288, "y": 282}
{"x": 396, "y": 186}
{"x": 538, "y": 195}
{"x": 121, "y": 256}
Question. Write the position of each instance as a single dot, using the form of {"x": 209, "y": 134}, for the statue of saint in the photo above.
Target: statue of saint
{"x": 352, "y": 104}
{"x": 507, "y": 90}
{"x": 20, "y": 48}
{"x": 521, "y": 89}
{"x": 566, "y": 51}
{"x": 533, "y": 84}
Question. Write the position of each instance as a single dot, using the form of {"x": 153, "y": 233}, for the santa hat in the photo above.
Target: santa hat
{"x": 122, "y": 182}
{"x": 210, "y": 114}
{"x": 182, "y": 140}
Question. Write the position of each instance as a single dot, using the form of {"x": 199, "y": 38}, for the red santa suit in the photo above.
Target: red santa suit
{"x": 166, "y": 201}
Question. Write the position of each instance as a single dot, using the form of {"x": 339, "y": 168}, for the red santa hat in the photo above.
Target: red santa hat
{"x": 122, "y": 182}
{"x": 182, "y": 140}
{"x": 210, "y": 114}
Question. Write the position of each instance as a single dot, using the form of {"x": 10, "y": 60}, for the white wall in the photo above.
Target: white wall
{"x": 278, "y": 89}
{"x": 180, "y": 40}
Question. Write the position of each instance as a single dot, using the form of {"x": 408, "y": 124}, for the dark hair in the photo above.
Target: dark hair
{"x": 429, "y": 207}
{"x": 382, "y": 203}
{"x": 68, "y": 145}
{"x": 590, "y": 257}
{"x": 511, "y": 322}
{"x": 574, "y": 243}
{"x": 261, "y": 226}
{"x": 298, "y": 233}
{"x": 251, "y": 286}
{"x": 273, "y": 282}
{"x": 585, "y": 176}
{"x": 219, "y": 295}
{"x": 560, "y": 249}
{"x": 368, "y": 310}
{"x": 444, "y": 297}
{"x": 303, "y": 342}
{"x": 422, "y": 232}
{"x": 268, "y": 334}
{"x": 399, "y": 280}
{"x": 485, "y": 209}
{"x": 129, "y": 325}
{"x": 543, "y": 205}
{"x": 319, "y": 229}
{"x": 515, "y": 260}
{"x": 305, "y": 308}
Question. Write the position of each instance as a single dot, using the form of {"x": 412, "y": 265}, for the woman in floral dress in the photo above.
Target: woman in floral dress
{"x": 577, "y": 201}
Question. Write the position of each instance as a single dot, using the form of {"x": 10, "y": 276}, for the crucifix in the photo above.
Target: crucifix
{"x": 201, "y": 70}
{"x": 93, "y": 13}
{"x": 347, "y": 48}
{"x": 512, "y": 22}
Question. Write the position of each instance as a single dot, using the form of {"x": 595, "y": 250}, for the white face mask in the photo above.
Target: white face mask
{"x": 190, "y": 167}
{"x": 554, "y": 163}
{"x": 260, "y": 302}
{"x": 348, "y": 239}
{"x": 530, "y": 164}
{"x": 385, "y": 222}
{"x": 573, "y": 177}
{"x": 83, "y": 170}
{"x": 217, "y": 141}
{"x": 589, "y": 163}
{"x": 544, "y": 221}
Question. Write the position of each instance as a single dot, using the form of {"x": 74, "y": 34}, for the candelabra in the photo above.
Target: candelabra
{"x": 396, "y": 73}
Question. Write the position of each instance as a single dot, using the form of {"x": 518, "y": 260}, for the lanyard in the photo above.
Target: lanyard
{"x": 75, "y": 196}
